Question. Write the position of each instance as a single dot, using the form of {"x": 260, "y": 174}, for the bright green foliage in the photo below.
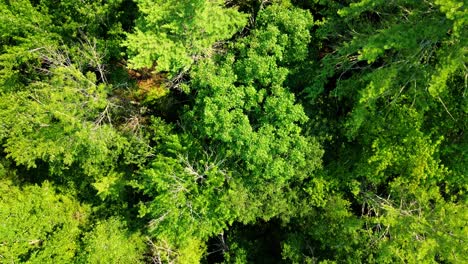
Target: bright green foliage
{"x": 242, "y": 108}
{"x": 111, "y": 242}
{"x": 38, "y": 225}
{"x": 338, "y": 139}
{"x": 23, "y": 32}
{"x": 404, "y": 151}
{"x": 401, "y": 43}
{"x": 172, "y": 34}
{"x": 61, "y": 121}
{"x": 420, "y": 228}
{"x": 188, "y": 198}
{"x": 30, "y": 30}
{"x": 102, "y": 21}
{"x": 241, "y": 103}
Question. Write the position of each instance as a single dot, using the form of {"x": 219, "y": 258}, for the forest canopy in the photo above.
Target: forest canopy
{"x": 240, "y": 131}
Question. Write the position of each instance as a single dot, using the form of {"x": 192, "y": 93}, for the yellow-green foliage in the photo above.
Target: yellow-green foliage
{"x": 39, "y": 225}
{"x": 110, "y": 241}
{"x": 172, "y": 34}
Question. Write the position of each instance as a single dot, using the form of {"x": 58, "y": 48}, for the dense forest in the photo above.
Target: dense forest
{"x": 233, "y": 131}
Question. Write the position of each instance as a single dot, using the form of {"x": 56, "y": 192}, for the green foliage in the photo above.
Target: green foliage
{"x": 38, "y": 225}
{"x": 30, "y": 30}
{"x": 395, "y": 82}
{"x": 111, "y": 242}
{"x": 337, "y": 138}
{"x": 259, "y": 149}
{"x": 172, "y": 34}
{"x": 420, "y": 228}
{"x": 187, "y": 200}
{"x": 60, "y": 121}
{"x": 242, "y": 107}
{"x": 188, "y": 196}
{"x": 96, "y": 18}
{"x": 329, "y": 233}
{"x": 395, "y": 77}
{"x": 23, "y": 33}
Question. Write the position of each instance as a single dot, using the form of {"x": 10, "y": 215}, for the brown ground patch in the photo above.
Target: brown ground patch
{"x": 151, "y": 85}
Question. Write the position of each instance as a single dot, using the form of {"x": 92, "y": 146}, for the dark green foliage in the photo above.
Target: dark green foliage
{"x": 390, "y": 68}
